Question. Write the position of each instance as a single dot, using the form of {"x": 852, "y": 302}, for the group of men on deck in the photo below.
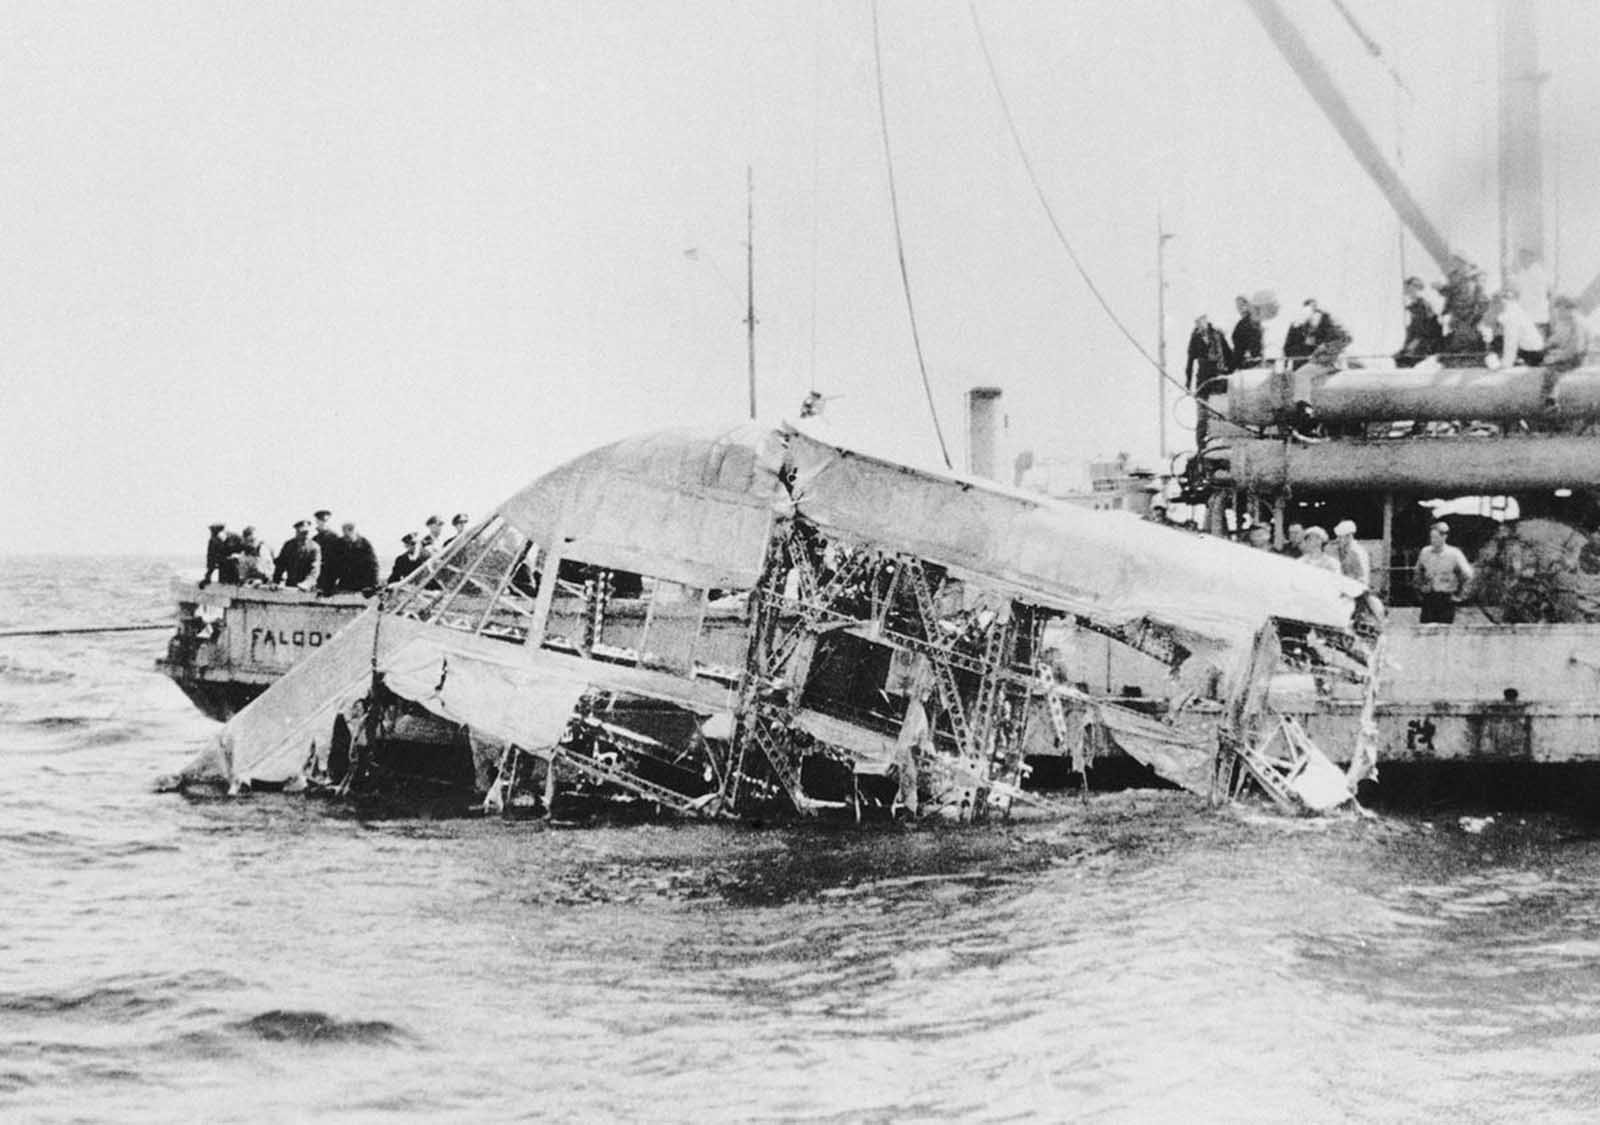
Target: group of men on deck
{"x": 1441, "y": 575}
{"x": 1315, "y": 337}
{"x": 1520, "y": 325}
{"x": 317, "y": 557}
{"x": 1459, "y": 323}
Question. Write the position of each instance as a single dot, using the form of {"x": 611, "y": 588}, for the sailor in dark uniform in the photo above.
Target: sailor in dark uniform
{"x": 358, "y": 562}
{"x": 299, "y": 560}
{"x": 220, "y": 549}
{"x": 405, "y": 563}
{"x": 332, "y": 548}
{"x": 1247, "y": 343}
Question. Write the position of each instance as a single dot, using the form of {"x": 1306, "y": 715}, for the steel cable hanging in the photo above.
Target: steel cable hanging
{"x": 1055, "y": 225}
{"x": 899, "y": 241}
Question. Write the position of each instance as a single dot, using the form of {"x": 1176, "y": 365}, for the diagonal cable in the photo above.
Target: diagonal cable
{"x": 899, "y": 241}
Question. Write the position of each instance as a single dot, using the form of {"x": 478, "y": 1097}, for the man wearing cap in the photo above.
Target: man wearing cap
{"x": 433, "y": 537}
{"x": 358, "y": 562}
{"x": 299, "y": 560}
{"x": 1352, "y": 556}
{"x": 1325, "y": 336}
{"x": 1465, "y": 306}
{"x": 407, "y": 562}
{"x": 1424, "y": 334}
{"x": 255, "y": 564}
{"x": 1312, "y": 550}
{"x": 1210, "y": 358}
{"x": 458, "y": 524}
{"x": 1442, "y": 573}
{"x": 1293, "y": 536}
{"x": 220, "y": 549}
{"x": 332, "y": 548}
{"x": 1247, "y": 346}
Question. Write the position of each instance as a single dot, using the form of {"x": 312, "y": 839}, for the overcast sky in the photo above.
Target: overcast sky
{"x": 395, "y": 258}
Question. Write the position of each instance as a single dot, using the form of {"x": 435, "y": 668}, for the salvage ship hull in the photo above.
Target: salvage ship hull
{"x": 1514, "y": 681}
{"x": 233, "y": 642}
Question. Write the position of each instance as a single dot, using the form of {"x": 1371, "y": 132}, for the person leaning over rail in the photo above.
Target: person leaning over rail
{"x": 1442, "y": 574}
{"x": 220, "y": 549}
{"x": 1569, "y": 344}
{"x": 1248, "y": 348}
{"x": 1313, "y": 550}
{"x": 408, "y": 560}
{"x": 433, "y": 537}
{"x": 358, "y": 567}
{"x": 253, "y": 560}
{"x": 331, "y": 545}
{"x": 299, "y": 560}
{"x": 1465, "y": 306}
{"x": 1293, "y": 536}
{"x": 1424, "y": 335}
{"x": 1518, "y": 338}
{"x": 1326, "y": 337}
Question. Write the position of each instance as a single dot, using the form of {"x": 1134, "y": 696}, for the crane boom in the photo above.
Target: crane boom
{"x": 1323, "y": 90}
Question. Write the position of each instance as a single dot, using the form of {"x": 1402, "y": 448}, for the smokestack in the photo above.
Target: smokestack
{"x": 983, "y": 430}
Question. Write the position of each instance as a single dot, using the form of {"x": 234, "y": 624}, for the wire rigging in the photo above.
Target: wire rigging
{"x": 899, "y": 240}
{"x": 1055, "y": 225}
{"x": 816, "y": 175}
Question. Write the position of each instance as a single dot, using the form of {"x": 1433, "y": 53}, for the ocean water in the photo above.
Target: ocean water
{"x": 1133, "y": 957}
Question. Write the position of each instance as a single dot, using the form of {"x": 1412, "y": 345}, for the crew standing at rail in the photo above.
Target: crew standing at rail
{"x": 1465, "y": 306}
{"x": 220, "y": 549}
{"x": 253, "y": 559}
{"x": 1247, "y": 343}
{"x": 408, "y": 560}
{"x": 1313, "y": 550}
{"x": 1424, "y": 336}
{"x": 1210, "y": 358}
{"x": 358, "y": 566}
{"x": 433, "y": 538}
{"x": 1442, "y": 573}
{"x": 1324, "y": 335}
{"x": 332, "y": 548}
{"x": 1519, "y": 339}
{"x": 299, "y": 560}
{"x": 1352, "y": 556}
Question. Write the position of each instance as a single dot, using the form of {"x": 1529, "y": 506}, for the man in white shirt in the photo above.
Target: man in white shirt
{"x": 1352, "y": 556}
{"x": 1521, "y": 341}
{"x": 1442, "y": 573}
{"x": 1532, "y": 287}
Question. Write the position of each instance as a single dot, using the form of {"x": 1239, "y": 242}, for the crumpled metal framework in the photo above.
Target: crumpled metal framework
{"x": 755, "y": 622}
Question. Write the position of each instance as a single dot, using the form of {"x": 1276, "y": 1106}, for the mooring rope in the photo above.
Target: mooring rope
{"x": 86, "y": 629}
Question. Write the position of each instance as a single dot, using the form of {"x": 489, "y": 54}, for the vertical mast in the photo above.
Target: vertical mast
{"x": 1161, "y": 332}
{"x": 750, "y": 276}
{"x": 1521, "y": 158}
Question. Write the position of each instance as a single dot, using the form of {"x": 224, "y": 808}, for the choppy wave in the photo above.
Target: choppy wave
{"x": 318, "y": 1028}
{"x": 1134, "y": 957}
{"x": 18, "y": 671}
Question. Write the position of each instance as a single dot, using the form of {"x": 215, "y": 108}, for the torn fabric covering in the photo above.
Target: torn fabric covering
{"x": 690, "y": 506}
{"x": 505, "y": 700}
{"x": 693, "y": 506}
{"x": 271, "y": 740}
{"x": 1186, "y": 759}
{"x": 1110, "y": 566}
